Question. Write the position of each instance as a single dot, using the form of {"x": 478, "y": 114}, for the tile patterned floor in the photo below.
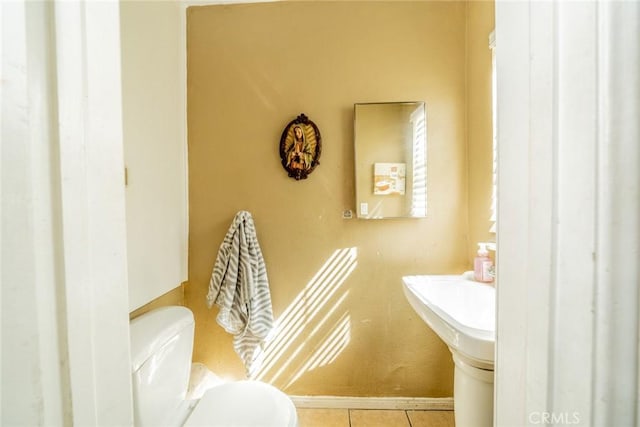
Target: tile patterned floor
{"x": 373, "y": 418}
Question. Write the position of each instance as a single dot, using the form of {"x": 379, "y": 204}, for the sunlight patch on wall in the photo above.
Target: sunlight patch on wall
{"x": 329, "y": 348}
{"x": 315, "y": 327}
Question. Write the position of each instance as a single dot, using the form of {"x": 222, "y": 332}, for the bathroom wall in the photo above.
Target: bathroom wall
{"x": 344, "y": 326}
{"x": 480, "y": 23}
{"x": 154, "y": 148}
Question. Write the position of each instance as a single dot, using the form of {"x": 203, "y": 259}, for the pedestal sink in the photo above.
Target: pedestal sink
{"x": 462, "y": 313}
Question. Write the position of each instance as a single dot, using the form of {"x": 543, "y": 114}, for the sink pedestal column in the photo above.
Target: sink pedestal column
{"x": 472, "y": 392}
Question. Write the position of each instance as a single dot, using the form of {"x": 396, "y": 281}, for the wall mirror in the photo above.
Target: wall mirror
{"x": 390, "y": 160}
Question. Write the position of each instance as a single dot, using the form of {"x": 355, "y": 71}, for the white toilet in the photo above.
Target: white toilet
{"x": 161, "y": 347}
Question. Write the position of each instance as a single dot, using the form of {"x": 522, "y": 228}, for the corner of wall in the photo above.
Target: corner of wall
{"x": 478, "y": 125}
{"x": 173, "y": 297}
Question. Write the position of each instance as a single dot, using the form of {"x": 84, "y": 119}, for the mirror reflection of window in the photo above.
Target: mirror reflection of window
{"x": 419, "y": 176}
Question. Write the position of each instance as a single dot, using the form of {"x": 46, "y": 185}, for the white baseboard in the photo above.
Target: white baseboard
{"x": 401, "y": 403}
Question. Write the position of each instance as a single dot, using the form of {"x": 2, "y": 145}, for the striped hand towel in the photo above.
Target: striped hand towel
{"x": 240, "y": 287}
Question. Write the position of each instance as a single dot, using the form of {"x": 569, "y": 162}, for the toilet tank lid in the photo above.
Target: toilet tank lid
{"x": 150, "y": 331}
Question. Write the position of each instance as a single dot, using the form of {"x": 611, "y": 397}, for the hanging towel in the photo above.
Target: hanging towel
{"x": 240, "y": 287}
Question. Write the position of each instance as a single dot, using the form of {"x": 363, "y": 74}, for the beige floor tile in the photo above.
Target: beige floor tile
{"x": 308, "y": 417}
{"x": 378, "y": 418}
{"x": 431, "y": 418}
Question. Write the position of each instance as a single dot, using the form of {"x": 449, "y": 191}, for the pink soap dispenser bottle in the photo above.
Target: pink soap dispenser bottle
{"x": 482, "y": 265}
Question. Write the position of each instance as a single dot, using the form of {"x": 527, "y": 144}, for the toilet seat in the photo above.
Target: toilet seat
{"x": 243, "y": 404}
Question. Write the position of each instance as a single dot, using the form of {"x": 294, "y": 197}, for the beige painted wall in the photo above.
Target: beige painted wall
{"x": 345, "y": 326}
{"x": 480, "y": 23}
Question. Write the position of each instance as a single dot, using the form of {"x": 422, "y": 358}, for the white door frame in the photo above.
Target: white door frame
{"x": 65, "y": 320}
{"x": 569, "y": 213}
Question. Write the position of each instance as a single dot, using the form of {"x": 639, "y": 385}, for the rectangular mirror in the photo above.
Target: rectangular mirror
{"x": 391, "y": 160}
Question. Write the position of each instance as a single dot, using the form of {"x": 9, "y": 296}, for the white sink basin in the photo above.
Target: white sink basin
{"x": 460, "y": 311}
